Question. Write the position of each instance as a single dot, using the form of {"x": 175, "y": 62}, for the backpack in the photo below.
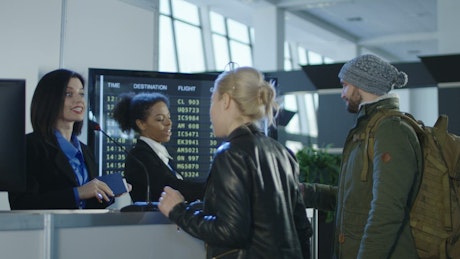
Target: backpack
{"x": 435, "y": 213}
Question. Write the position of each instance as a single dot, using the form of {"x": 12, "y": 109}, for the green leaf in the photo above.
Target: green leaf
{"x": 319, "y": 166}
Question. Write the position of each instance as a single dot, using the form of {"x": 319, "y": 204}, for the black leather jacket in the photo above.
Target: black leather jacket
{"x": 252, "y": 206}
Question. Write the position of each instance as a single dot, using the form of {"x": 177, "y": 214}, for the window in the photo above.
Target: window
{"x": 181, "y": 41}
{"x": 221, "y": 51}
{"x": 189, "y": 47}
{"x": 302, "y": 54}
{"x": 303, "y": 128}
{"x": 232, "y": 41}
{"x": 314, "y": 58}
{"x": 167, "y": 53}
{"x": 287, "y": 57}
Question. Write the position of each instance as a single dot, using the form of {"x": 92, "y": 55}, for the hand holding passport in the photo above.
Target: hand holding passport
{"x": 116, "y": 182}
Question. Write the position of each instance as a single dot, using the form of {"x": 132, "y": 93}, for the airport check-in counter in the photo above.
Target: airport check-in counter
{"x": 76, "y": 234}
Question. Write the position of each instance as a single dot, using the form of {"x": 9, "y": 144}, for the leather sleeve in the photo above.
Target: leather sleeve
{"x": 230, "y": 223}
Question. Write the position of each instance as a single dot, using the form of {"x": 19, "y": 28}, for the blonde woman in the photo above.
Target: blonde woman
{"x": 252, "y": 206}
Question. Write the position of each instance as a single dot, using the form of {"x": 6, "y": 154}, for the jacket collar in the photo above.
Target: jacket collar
{"x": 387, "y": 102}
{"x": 61, "y": 161}
{"x": 248, "y": 128}
{"x": 158, "y": 148}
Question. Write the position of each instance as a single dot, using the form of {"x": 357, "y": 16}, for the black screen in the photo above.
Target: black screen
{"x": 12, "y": 135}
{"x": 192, "y": 143}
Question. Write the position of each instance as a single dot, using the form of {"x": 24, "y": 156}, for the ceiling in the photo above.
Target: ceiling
{"x": 400, "y": 30}
{"x": 397, "y": 30}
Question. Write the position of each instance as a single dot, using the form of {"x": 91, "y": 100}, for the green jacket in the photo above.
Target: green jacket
{"x": 372, "y": 207}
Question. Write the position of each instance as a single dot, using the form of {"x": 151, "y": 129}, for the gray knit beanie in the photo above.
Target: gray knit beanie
{"x": 372, "y": 74}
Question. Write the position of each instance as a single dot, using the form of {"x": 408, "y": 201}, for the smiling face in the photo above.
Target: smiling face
{"x": 157, "y": 125}
{"x": 74, "y": 106}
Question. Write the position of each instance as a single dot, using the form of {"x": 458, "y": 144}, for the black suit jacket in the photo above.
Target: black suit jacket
{"x": 159, "y": 173}
{"x": 50, "y": 177}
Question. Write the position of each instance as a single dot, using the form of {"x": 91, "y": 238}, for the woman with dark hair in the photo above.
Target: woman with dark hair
{"x": 61, "y": 170}
{"x": 148, "y": 115}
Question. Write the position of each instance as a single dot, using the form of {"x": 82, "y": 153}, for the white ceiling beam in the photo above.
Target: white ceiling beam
{"x": 406, "y": 37}
{"x": 293, "y": 5}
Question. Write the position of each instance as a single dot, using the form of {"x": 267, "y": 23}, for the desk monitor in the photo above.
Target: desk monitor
{"x": 12, "y": 135}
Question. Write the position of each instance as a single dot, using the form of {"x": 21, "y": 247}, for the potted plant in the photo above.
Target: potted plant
{"x": 320, "y": 166}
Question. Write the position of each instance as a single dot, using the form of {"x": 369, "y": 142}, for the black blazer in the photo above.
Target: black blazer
{"x": 50, "y": 177}
{"x": 160, "y": 176}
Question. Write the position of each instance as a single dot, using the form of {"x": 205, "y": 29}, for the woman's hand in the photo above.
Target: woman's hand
{"x": 95, "y": 189}
{"x": 169, "y": 198}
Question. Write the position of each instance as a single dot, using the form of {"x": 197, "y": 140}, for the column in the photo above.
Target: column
{"x": 269, "y": 38}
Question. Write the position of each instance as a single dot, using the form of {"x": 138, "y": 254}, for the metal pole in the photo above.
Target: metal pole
{"x": 48, "y": 236}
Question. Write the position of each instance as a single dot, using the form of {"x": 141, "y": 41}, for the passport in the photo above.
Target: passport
{"x": 115, "y": 181}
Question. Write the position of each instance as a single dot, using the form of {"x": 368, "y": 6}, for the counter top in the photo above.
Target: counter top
{"x": 36, "y": 219}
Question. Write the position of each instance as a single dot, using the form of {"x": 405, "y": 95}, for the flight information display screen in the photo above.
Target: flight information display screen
{"x": 192, "y": 143}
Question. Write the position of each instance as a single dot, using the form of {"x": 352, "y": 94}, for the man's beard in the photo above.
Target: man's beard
{"x": 354, "y": 101}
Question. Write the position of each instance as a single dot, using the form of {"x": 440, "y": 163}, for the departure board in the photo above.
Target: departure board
{"x": 192, "y": 143}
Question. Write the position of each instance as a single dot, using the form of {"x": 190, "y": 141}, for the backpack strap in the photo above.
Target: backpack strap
{"x": 369, "y": 134}
{"x": 369, "y": 138}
